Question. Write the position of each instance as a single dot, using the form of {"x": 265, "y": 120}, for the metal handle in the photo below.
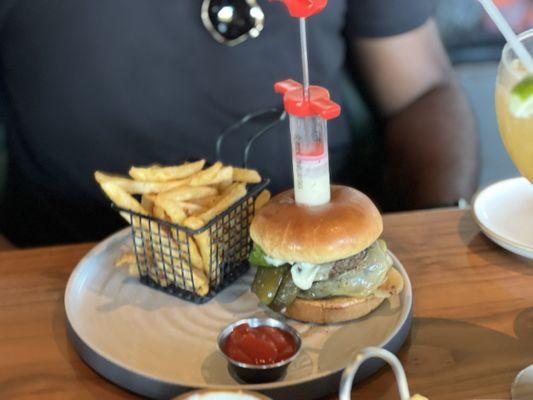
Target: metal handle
{"x": 281, "y": 115}
{"x": 365, "y": 354}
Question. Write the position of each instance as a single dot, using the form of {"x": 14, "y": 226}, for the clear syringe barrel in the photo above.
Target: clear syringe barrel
{"x": 310, "y": 161}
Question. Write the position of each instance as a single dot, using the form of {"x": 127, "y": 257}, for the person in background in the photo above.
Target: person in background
{"x": 109, "y": 84}
{"x": 519, "y": 13}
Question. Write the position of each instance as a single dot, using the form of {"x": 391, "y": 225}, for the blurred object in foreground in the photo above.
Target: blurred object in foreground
{"x": 375, "y": 352}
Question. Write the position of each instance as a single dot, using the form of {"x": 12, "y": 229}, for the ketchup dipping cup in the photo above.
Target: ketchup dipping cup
{"x": 260, "y": 373}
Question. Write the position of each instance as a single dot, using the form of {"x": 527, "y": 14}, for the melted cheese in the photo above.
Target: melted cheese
{"x": 304, "y": 274}
{"x": 274, "y": 261}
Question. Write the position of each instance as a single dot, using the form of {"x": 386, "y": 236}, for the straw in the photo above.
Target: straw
{"x": 508, "y": 33}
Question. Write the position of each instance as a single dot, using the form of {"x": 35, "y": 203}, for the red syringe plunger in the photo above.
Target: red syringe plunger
{"x": 304, "y": 8}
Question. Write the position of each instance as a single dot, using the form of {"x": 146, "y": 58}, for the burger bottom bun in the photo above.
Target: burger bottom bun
{"x": 340, "y": 309}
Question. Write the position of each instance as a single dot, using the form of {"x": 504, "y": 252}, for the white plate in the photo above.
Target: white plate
{"x": 157, "y": 345}
{"x": 504, "y": 212}
{"x": 522, "y": 388}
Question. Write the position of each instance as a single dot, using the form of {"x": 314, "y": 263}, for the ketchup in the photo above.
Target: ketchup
{"x": 259, "y": 346}
{"x": 312, "y": 150}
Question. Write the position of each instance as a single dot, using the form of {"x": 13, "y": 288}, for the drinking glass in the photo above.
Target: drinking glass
{"x": 515, "y": 120}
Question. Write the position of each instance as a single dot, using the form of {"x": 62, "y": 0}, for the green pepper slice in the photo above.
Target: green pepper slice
{"x": 287, "y": 293}
{"x": 258, "y": 257}
{"x": 266, "y": 283}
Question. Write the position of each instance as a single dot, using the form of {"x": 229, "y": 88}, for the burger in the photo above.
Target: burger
{"x": 322, "y": 264}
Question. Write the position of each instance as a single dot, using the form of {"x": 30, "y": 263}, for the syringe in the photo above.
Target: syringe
{"x": 309, "y": 108}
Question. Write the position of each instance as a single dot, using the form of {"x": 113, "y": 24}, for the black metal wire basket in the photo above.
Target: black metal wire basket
{"x": 166, "y": 253}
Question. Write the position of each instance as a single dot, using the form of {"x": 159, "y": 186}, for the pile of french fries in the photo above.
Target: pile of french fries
{"x": 187, "y": 196}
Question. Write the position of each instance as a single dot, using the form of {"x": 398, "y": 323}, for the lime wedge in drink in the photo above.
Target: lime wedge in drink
{"x": 521, "y": 100}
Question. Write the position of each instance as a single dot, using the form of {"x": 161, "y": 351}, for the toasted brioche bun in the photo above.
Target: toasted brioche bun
{"x": 346, "y": 225}
{"x": 340, "y": 309}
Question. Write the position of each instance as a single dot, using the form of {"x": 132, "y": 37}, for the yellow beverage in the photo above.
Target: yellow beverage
{"x": 516, "y": 133}
{"x": 515, "y": 119}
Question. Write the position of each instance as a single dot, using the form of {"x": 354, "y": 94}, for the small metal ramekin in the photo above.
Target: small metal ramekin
{"x": 252, "y": 373}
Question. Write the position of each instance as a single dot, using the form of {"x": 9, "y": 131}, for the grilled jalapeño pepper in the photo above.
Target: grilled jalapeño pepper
{"x": 286, "y": 294}
{"x": 267, "y": 281}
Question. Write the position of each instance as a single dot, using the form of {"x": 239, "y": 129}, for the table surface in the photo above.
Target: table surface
{"x": 472, "y": 330}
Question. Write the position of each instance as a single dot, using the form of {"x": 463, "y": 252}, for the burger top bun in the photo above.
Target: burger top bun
{"x": 345, "y": 226}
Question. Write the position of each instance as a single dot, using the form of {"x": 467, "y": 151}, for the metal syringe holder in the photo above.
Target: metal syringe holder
{"x": 375, "y": 352}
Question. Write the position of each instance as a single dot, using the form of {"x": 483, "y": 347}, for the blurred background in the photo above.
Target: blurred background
{"x": 474, "y": 47}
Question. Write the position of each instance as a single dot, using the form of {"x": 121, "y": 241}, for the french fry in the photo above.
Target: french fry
{"x": 139, "y": 187}
{"x": 167, "y": 243}
{"x": 186, "y": 193}
{"x": 166, "y": 208}
{"x": 206, "y": 202}
{"x": 191, "y": 208}
{"x": 224, "y": 185}
{"x": 234, "y": 193}
{"x": 177, "y": 211}
{"x": 193, "y": 223}
{"x": 172, "y": 208}
{"x": 147, "y": 202}
{"x": 224, "y": 174}
{"x": 194, "y": 253}
{"x": 159, "y": 213}
{"x": 150, "y": 196}
{"x": 151, "y": 230}
{"x": 122, "y": 198}
{"x": 158, "y": 173}
{"x": 246, "y": 175}
{"x": 202, "y": 240}
{"x": 164, "y": 250}
{"x": 102, "y": 177}
{"x": 128, "y": 259}
{"x": 125, "y": 258}
{"x": 206, "y": 176}
{"x": 199, "y": 280}
{"x": 262, "y": 199}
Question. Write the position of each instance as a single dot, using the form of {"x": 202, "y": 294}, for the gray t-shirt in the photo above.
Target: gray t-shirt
{"x": 105, "y": 84}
